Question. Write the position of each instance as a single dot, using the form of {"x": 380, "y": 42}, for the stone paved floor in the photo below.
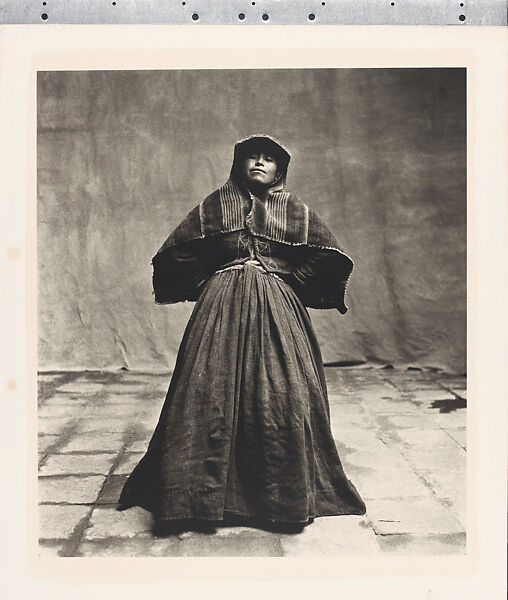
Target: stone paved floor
{"x": 400, "y": 433}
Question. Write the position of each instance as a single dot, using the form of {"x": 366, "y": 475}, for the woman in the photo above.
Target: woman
{"x": 245, "y": 428}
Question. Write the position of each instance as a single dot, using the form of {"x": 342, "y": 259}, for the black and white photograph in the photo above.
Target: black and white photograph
{"x": 251, "y": 312}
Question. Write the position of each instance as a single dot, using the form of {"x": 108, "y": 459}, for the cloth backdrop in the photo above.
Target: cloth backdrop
{"x": 380, "y": 154}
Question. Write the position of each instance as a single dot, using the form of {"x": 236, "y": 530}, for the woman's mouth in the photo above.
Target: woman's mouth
{"x": 258, "y": 171}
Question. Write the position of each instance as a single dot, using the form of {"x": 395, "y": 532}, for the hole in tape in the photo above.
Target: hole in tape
{"x": 312, "y": 17}
{"x": 241, "y": 16}
{"x": 462, "y": 17}
{"x": 195, "y": 17}
{"x": 265, "y": 17}
{"x": 44, "y": 16}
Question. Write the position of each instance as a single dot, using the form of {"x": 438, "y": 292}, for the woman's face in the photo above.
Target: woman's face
{"x": 260, "y": 168}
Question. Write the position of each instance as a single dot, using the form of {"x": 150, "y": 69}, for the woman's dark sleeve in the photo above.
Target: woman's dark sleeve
{"x": 320, "y": 279}
{"x": 309, "y": 268}
{"x": 179, "y": 273}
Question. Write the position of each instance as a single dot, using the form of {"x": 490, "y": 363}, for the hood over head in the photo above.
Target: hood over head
{"x": 259, "y": 142}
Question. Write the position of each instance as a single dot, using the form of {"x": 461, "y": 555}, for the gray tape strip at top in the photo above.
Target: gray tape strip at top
{"x": 258, "y": 12}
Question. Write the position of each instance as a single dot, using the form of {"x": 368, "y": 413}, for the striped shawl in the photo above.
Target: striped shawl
{"x": 281, "y": 217}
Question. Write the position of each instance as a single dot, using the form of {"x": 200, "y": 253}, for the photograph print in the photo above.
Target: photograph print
{"x": 252, "y": 312}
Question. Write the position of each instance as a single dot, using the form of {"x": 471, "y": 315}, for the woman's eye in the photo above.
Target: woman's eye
{"x": 269, "y": 158}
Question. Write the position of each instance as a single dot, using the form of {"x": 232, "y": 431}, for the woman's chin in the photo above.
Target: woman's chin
{"x": 257, "y": 180}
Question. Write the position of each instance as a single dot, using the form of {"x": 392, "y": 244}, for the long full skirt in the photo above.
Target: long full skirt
{"x": 245, "y": 427}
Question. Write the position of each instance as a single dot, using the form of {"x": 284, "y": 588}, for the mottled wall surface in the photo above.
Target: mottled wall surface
{"x": 123, "y": 156}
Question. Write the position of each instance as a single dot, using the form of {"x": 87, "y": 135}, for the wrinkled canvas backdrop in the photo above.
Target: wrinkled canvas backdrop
{"x": 124, "y": 155}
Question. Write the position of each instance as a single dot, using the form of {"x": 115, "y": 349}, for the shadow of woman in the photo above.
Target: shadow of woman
{"x": 167, "y": 528}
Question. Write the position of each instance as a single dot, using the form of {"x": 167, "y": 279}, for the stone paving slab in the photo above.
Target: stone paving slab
{"x": 109, "y": 411}
{"x": 371, "y": 395}
{"x": 82, "y": 387}
{"x": 110, "y": 425}
{"x": 46, "y": 441}
{"x": 111, "y": 490}
{"x": 355, "y": 437}
{"x": 240, "y": 545}
{"x": 137, "y": 546}
{"x": 68, "y": 464}
{"x": 369, "y": 443}
{"x": 430, "y": 395}
{"x": 424, "y": 438}
{"x": 446, "y": 483}
{"x": 459, "y": 434}
{"x": 421, "y": 545}
{"x": 414, "y": 385}
{"x": 391, "y": 406}
{"x": 69, "y": 400}
{"x": 109, "y": 522}
{"x": 130, "y": 398}
{"x": 147, "y": 414}
{"x": 396, "y": 421}
{"x": 50, "y": 548}
{"x": 59, "y": 410}
{"x": 452, "y": 420}
{"x": 428, "y": 458}
{"x": 351, "y": 420}
{"x": 137, "y": 446}
{"x": 458, "y": 507}
{"x": 241, "y": 529}
{"x": 346, "y": 406}
{"x": 73, "y": 489}
{"x": 93, "y": 442}
{"x": 43, "y": 376}
{"x": 53, "y": 425}
{"x": 421, "y": 516}
{"x": 57, "y": 521}
{"x": 129, "y": 388}
{"x": 450, "y": 380}
{"x": 333, "y": 536}
{"x": 383, "y": 458}
{"x": 127, "y": 463}
{"x": 403, "y": 483}
{"x": 148, "y": 422}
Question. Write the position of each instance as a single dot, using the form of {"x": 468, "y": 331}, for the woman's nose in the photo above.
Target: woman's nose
{"x": 259, "y": 161}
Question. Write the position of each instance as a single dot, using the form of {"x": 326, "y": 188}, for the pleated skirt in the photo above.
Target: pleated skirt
{"x": 245, "y": 426}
